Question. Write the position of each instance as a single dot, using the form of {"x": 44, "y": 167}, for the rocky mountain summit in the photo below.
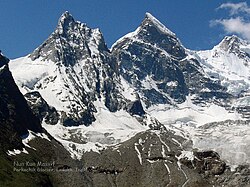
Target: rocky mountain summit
{"x": 163, "y": 71}
{"x": 75, "y": 69}
{"x": 145, "y": 110}
{"x": 228, "y": 62}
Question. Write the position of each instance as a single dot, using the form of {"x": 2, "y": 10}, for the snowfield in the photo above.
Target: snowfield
{"x": 231, "y": 139}
{"x": 86, "y": 83}
{"x": 191, "y": 114}
{"x": 108, "y": 129}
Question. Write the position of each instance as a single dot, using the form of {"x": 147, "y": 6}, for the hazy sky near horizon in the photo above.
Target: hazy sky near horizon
{"x": 198, "y": 24}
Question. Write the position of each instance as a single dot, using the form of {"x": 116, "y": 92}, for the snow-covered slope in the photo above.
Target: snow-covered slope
{"x": 71, "y": 70}
{"x": 229, "y": 62}
{"x": 108, "y": 129}
{"x": 192, "y": 115}
{"x": 147, "y": 79}
{"x": 153, "y": 60}
{"x": 75, "y": 73}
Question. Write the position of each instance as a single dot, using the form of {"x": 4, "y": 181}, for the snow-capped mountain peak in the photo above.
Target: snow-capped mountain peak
{"x": 229, "y": 62}
{"x": 153, "y": 33}
{"x": 71, "y": 41}
{"x": 231, "y": 44}
{"x": 75, "y": 69}
{"x": 64, "y": 22}
{"x": 66, "y": 16}
{"x": 147, "y": 75}
{"x": 151, "y": 20}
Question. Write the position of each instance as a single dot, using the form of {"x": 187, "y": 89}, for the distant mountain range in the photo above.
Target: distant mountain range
{"x": 147, "y": 112}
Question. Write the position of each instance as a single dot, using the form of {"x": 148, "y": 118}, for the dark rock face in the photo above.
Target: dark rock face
{"x": 89, "y": 69}
{"x": 209, "y": 163}
{"x": 14, "y": 107}
{"x": 203, "y": 88}
{"x": 16, "y": 117}
{"x": 135, "y": 108}
{"x": 154, "y": 55}
{"x": 86, "y": 118}
{"x": 70, "y": 42}
{"x": 232, "y": 44}
{"x": 159, "y": 68}
{"x": 152, "y": 158}
{"x": 61, "y": 172}
{"x": 57, "y": 47}
{"x": 243, "y": 110}
{"x": 41, "y": 109}
{"x": 3, "y": 60}
{"x": 152, "y": 31}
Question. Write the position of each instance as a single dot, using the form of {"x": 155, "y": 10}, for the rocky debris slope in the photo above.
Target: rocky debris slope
{"x": 159, "y": 158}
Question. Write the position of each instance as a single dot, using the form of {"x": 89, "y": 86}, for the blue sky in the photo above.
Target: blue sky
{"x": 199, "y": 24}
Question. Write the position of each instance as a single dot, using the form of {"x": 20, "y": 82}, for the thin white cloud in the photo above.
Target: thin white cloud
{"x": 238, "y": 25}
{"x": 234, "y": 25}
{"x": 235, "y": 8}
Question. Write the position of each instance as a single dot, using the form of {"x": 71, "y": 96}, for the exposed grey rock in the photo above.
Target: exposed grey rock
{"x": 232, "y": 44}
{"x": 161, "y": 71}
{"x": 148, "y": 159}
{"x": 135, "y": 108}
{"x": 154, "y": 55}
{"x": 41, "y": 109}
{"x": 14, "y": 108}
{"x": 74, "y": 45}
{"x": 152, "y": 159}
{"x": 3, "y": 60}
{"x": 16, "y": 118}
